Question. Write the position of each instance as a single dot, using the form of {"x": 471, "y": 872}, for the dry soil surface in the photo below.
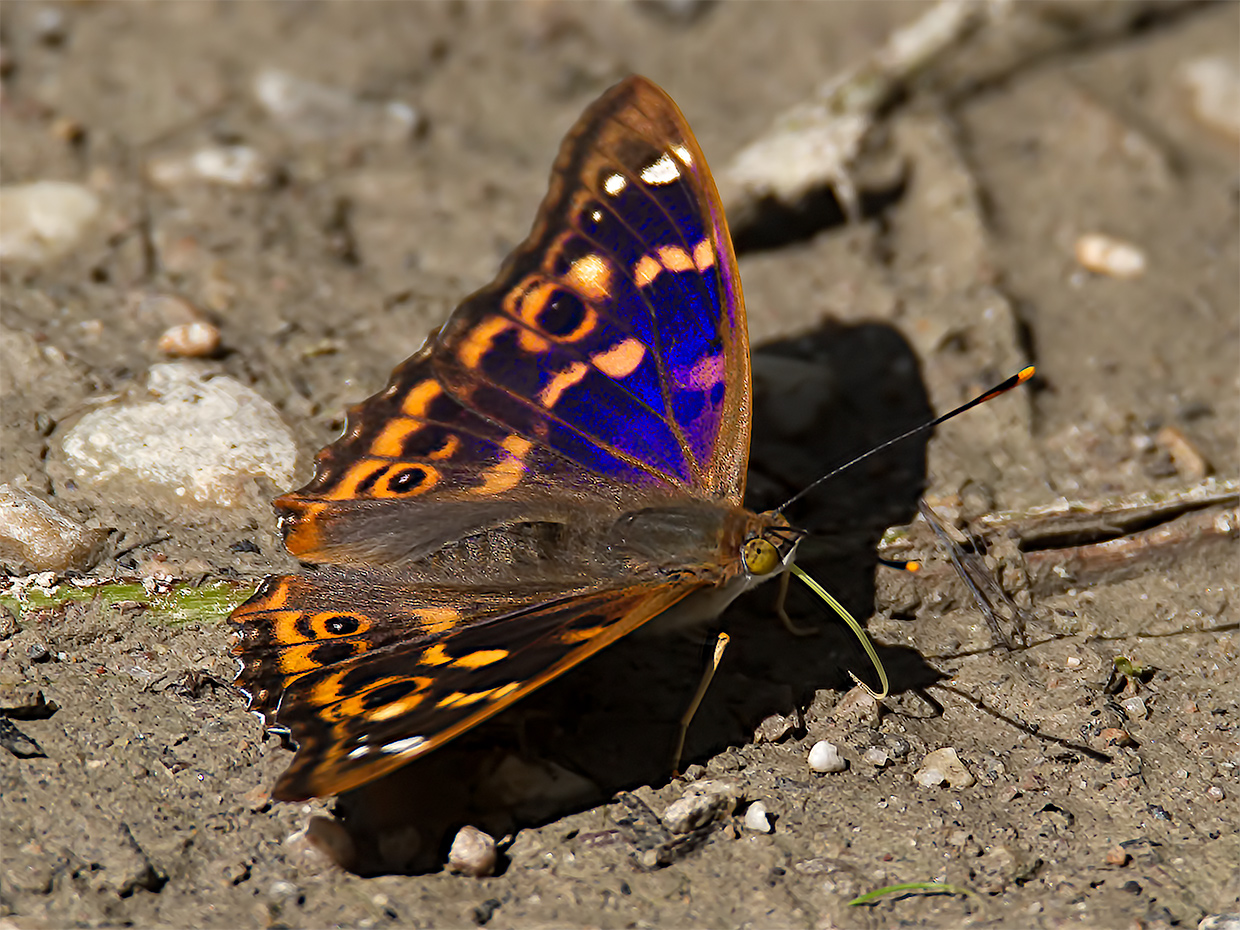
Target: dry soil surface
{"x": 1088, "y": 805}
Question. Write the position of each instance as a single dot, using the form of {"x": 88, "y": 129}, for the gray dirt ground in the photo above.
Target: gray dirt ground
{"x": 149, "y": 807}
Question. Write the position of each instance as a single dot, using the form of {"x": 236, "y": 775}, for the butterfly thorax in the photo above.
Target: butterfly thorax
{"x": 753, "y": 548}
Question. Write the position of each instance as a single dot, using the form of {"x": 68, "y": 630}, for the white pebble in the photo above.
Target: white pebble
{"x": 226, "y": 165}
{"x": 757, "y": 819}
{"x": 877, "y": 756}
{"x": 703, "y": 801}
{"x": 1115, "y": 258}
{"x": 281, "y": 889}
{"x": 311, "y": 111}
{"x": 943, "y": 765}
{"x": 193, "y": 439}
{"x": 1134, "y": 708}
{"x": 44, "y": 219}
{"x": 825, "y": 757}
{"x": 1215, "y": 87}
{"x": 34, "y": 533}
{"x": 190, "y": 340}
{"x": 472, "y": 853}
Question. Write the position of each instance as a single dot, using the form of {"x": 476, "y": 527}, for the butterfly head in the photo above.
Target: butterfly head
{"x": 770, "y": 545}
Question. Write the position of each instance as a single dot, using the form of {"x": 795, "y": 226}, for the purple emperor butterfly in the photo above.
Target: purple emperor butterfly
{"x": 561, "y": 463}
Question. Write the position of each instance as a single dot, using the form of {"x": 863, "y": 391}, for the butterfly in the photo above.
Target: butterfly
{"x": 561, "y": 463}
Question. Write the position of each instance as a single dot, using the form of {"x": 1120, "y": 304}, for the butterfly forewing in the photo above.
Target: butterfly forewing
{"x": 627, "y": 292}
{"x": 611, "y": 348}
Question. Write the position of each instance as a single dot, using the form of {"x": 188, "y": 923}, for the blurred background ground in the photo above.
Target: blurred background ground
{"x": 324, "y": 255}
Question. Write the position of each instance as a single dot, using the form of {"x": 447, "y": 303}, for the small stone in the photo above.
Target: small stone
{"x": 190, "y": 340}
{"x": 1188, "y": 461}
{"x": 704, "y": 801}
{"x": 44, "y": 219}
{"x": 310, "y": 111}
{"x": 237, "y": 166}
{"x": 34, "y": 533}
{"x": 1215, "y": 793}
{"x": 1114, "y": 736}
{"x": 856, "y": 708}
{"x": 774, "y": 728}
{"x": 193, "y": 440}
{"x": 8, "y": 623}
{"x": 1117, "y": 856}
{"x": 825, "y": 757}
{"x": 943, "y": 765}
{"x": 1134, "y": 707}
{"x": 1107, "y": 255}
{"x": 472, "y": 853}
{"x": 1214, "y": 83}
{"x": 283, "y": 890}
{"x": 757, "y": 819}
{"x": 898, "y": 746}
{"x": 1220, "y": 922}
{"x": 877, "y": 757}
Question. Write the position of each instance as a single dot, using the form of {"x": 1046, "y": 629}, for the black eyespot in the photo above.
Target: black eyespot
{"x": 563, "y": 314}
{"x": 341, "y": 625}
{"x": 407, "y": 480}
{"x": 331, "y": 653}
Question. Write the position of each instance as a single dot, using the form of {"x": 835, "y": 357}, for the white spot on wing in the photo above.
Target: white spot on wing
{"x": 683, "y": 154}
{"x": 398, "y": 746}
{"x": 663, "y": 171}
{"x": 615, "y": 183}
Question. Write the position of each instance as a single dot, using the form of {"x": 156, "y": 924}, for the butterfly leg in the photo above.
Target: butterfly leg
{"x": 789, "y": 624}
{"x": 721, "y": 643}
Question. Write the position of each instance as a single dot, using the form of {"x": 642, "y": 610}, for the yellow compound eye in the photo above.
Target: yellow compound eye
{"x": 761, "y": 556}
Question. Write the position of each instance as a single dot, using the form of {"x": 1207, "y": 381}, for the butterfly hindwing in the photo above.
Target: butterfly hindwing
{"x": 416, "y": 674}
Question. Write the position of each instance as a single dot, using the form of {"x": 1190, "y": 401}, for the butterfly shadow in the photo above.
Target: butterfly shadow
{"x": 611, "y": 724}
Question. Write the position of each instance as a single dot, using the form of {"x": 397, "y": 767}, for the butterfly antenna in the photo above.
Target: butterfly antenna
{"x": 1017, "y": 379}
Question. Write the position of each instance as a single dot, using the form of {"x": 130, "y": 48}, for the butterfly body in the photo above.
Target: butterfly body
{"x": 563, "y": 462}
